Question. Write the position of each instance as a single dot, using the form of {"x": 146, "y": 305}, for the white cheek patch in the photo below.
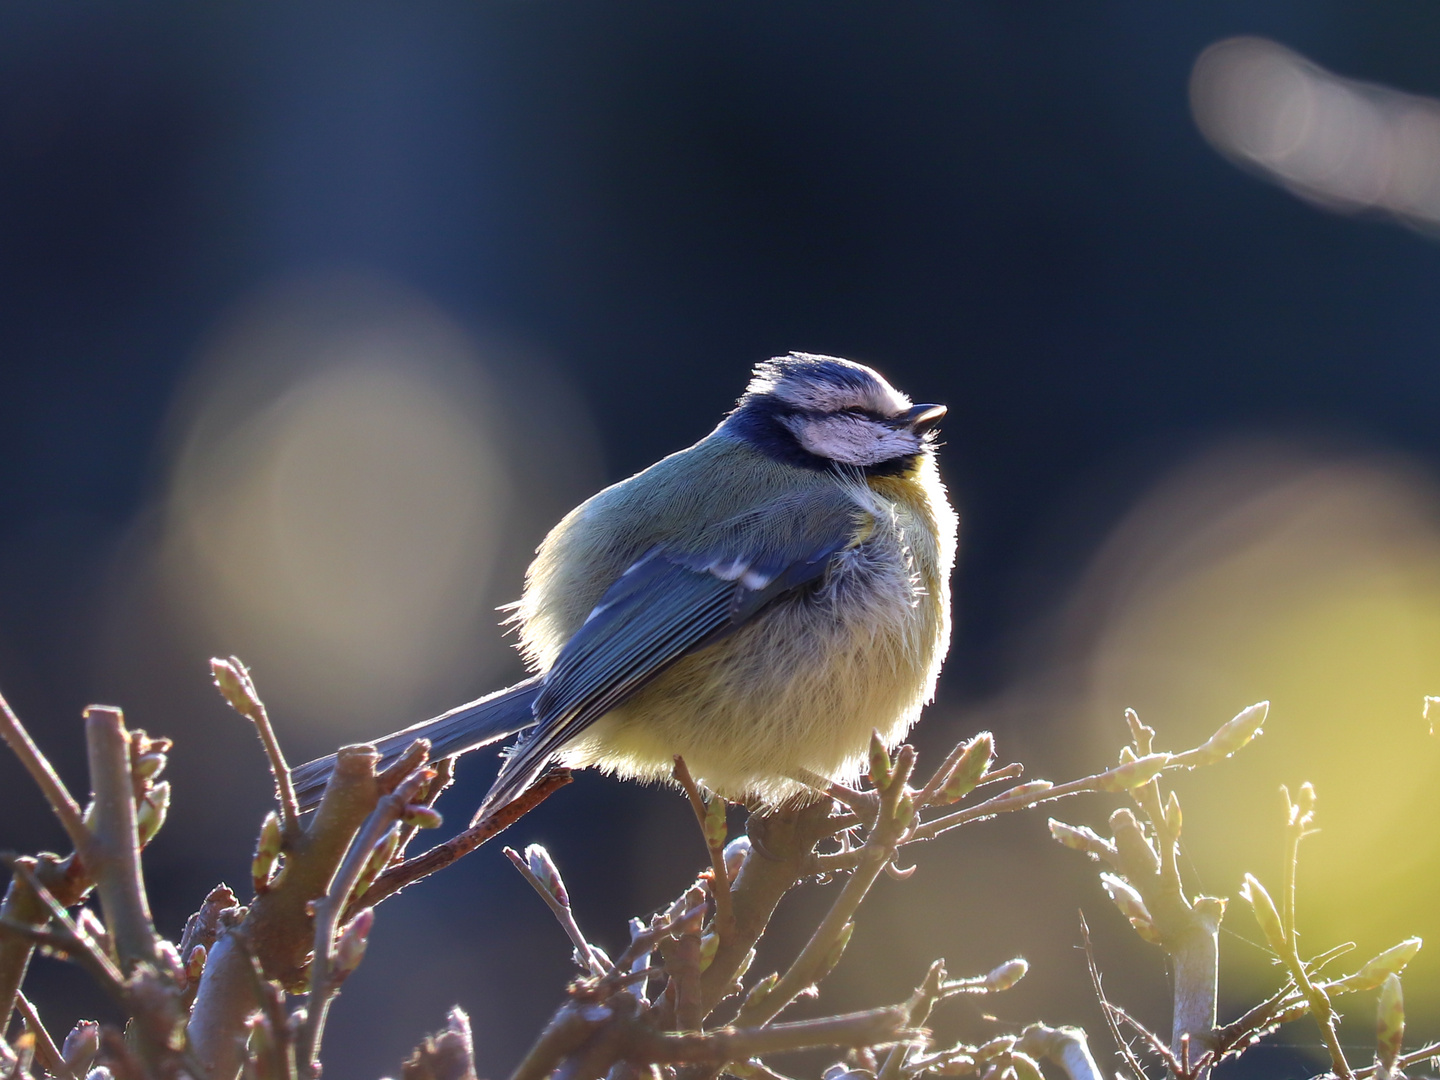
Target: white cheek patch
{"x": 852, "y": 440}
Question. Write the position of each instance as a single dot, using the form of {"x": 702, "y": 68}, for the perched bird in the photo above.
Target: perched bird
{"x": 757, "y": 603}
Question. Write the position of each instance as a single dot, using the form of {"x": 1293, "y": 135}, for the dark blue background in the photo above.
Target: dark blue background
{"x": 1006, "y": 206}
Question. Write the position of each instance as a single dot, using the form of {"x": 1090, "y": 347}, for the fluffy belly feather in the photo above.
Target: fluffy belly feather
{"x": 801, "y": 687}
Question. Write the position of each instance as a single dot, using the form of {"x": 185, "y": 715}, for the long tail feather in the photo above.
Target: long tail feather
{"x": 472, "y": 725}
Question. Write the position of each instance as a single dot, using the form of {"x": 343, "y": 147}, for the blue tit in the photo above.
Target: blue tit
{"x": 757, "y": 603}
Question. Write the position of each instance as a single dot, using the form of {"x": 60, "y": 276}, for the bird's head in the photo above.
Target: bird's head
{"x": 820, "y": 410}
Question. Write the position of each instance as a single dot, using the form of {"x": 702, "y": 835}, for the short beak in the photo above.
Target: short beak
{"x": 923, "y": 418}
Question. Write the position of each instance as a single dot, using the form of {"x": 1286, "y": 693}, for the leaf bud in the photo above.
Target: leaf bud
{"x": 1265, "y": 912}
{"x": 149, "y": 765}
{"x": 379, "y": 859}
{"x": 836, "y": 950}
{"x": 544, "y": 868}
{"x": 736, "y": 852}
{"x": 267, "y": 853}
{"x": 233, "y": 681}
{"x": 744, "y": 967}
{"x": 1390, "y": 962}
{"x": 715, "y": 830}
{"x": 1133, "y": 774}
{"x": 1132, "y": 906}
{"x": 151, "y": 811}
{"x": 1389, "y": 1024}
{"x": 350, "y": 949}
{"x": 974, "y": 763}
{"x": 81, "y": 1046}
{"x": 421, "y": 817}
{"x": 759, "y": 992}
{"x": 709, "y": 943}
{"x": 1006, "y": 975}
{"x": 1082, "y": 838}
{"x": 169, "y": 957}
{"x": 880, "y": 766}
{"x": 195, "y": 964}
{"x": 1233, "y": 734}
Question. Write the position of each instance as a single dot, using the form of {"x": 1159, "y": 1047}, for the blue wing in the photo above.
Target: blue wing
{"x": 671, "y": 602}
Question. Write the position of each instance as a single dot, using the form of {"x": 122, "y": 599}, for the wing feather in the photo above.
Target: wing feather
{"x": 671, "y": 602}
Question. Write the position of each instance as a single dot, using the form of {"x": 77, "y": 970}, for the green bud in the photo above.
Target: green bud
{"x": 421, "y": 817}
{"x": 1390, "y": 962}
{"x": 233, "y": 681}
{"x": 836, "y": 951}
{"x": 1134, "y": 773}
{"x": 715, "y": 830}
{"x": 744, "y": 967}
{"x": 1265, "y": 912}
{"x": 267, "y": 853}
{"x": 1234, "y": 735}
{"x": 150, "y": 765}
{"x": 880, "y": 767}
{"x": 974, "y": 763}
{"x": 709, "y": 943}
{"x": 1389, "y": 1024}
{"x": 195, "y": 964}
{"x": 759, "y": 992}
{"x": 905, "y": 807}
{"x": 378, "y": 861}
{"x": 350, "y": 949}
{"x": 150, "y": 812}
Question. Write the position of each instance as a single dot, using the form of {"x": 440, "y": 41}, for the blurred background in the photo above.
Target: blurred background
{"x": 314, "y": 318}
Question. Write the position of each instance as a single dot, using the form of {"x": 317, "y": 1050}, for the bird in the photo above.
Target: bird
{"x": 758, "y": 603}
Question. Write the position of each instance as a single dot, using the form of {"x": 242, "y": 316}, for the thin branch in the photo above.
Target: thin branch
{"x": 1107, "y": 1010}
{"x": 874, "y": 1027}
{"x": 324, "y": 978}
{"x": 1297, "y": 828}
{"x": 45, "y": 1049}
{"x": 1066, "y": 1047}
{"x": 879, "y": 849}
{"x": 1429, "y": 1050}
{"x": 45, "y": 776}
{"x": 114, "y": 855}
{"x": 720, "y": 881}
{"x": 67, "y": 881}
{"x": 442, "y": 855}
{"x": 444, "y": 777}
{"x": 562, "y": 912}
{"x": 236, "y": 684}
{"x": 69, "y": 937}
{"x": 917, "y": 1011}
